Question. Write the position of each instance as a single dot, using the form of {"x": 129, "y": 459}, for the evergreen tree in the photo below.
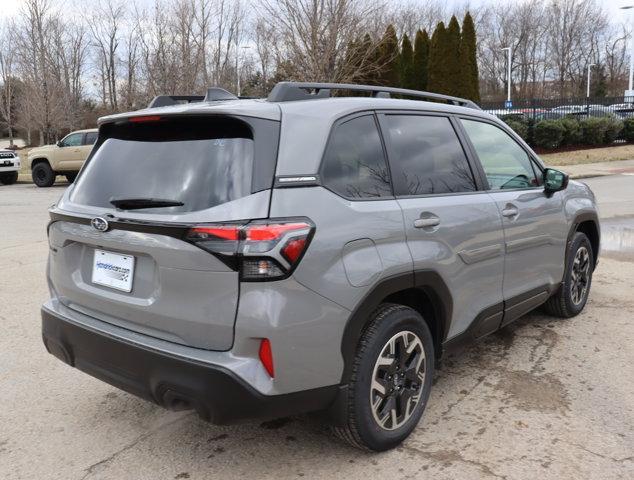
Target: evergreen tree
{"x": 452, "y": 59}
{"x": 469, "y": 78}
{"x": 407, "y": 76}
{"x": 388, "y": 59}
{"x": 437, "y": 60}
{"x": 598, "y": 82}
{"x": 421, "y": 59}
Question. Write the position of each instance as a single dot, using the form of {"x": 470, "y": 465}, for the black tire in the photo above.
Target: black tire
{"x": 43, "y": 175}
{"x": 566, "y": 303}
{"x": 8, "y": 178}
{"x": 362, "y": 428}
{"x": 71, "y": 176}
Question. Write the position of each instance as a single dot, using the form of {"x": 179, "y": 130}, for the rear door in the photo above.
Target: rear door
{"x": 535, "y": 228}
{"x": 87, "y": 143}
{"x": 452, "y": 226}
{"x": 131, "y": 266}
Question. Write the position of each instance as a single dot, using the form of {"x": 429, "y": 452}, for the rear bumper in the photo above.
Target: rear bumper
{"x": 217, "y": 394}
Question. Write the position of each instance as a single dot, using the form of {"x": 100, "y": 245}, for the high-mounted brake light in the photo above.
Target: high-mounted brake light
{"x": 145, "y": 118}
{"x": 261, "y": 250}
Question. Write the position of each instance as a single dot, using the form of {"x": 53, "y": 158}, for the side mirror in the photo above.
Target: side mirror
{"x": 59, "y": 143}
{"x": 554, "y": 180}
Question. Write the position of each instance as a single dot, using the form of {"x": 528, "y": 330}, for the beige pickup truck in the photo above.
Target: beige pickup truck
{"x": 63, "y": 158}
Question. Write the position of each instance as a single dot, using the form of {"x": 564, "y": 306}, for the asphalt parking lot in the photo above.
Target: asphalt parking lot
{"x": 543, "y": 398}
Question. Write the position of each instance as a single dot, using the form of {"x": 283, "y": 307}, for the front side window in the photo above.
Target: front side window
{"x": 506, "y": 164}
{"x": 72, "y": 140}
{"x": 354, "y": 164}
{"x": 427, "y": 157}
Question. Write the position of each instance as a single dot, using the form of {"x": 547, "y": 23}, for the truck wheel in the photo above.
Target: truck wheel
{"x": 43, "y": 175}
{"x": 8, "y": 178}
{"x": 391, "y": 379}
{"x": 573, "y": 293}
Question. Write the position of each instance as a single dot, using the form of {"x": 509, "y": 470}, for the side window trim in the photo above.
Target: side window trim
{"x": 338, "y": 122}
{"x": 529, "y": 154}
{"x": 382, "y": 120}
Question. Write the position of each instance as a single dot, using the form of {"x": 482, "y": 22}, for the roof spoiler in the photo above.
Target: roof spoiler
{"x": 214, "y": 94}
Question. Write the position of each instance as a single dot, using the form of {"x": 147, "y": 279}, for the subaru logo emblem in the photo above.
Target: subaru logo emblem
{"x": 100, "y": 224}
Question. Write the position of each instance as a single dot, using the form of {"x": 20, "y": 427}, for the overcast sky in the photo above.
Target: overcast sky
{"x": 11, "y": 7}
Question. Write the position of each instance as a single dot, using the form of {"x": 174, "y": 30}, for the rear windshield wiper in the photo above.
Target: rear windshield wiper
{"x": 137, "y": 203}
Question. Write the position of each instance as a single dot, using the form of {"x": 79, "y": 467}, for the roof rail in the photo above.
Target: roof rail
{"x": 290, "y": 91}
{"x": 213, "y": 94}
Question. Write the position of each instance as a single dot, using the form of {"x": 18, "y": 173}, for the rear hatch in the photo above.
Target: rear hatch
{"x": 118, "y": 237}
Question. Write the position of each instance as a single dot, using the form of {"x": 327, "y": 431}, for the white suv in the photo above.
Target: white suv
{"x": 9, "y": 167}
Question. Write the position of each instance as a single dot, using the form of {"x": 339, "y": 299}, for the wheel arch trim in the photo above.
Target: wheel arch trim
{"x": 580, "y": 218}
{"x": 428, "y": 282}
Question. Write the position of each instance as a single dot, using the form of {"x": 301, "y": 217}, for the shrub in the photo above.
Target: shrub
{"x": 573, "y": 135}
{"x": 515, "y": 117}
{"x": 594, "y": 130}
{"x": 628, "y": 129}
{"x": 518, "y": 127}
{"x": 548, "y": 134}
{"x": 613, "y": 130}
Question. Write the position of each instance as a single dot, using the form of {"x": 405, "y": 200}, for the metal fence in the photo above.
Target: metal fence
{"x": 552, "y": 109}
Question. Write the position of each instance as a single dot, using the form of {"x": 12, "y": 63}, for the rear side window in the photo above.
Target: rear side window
{"x": 354, "y": 165}
{"x": 200, "y": 162}
{"x": 90, "y": 138}
{"x": 426, "y": 156}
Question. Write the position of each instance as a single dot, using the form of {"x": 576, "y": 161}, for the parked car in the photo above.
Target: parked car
{"x": 66, "y": 157}
{"x": 9, "y": 166}
{"x": 263, "y": 258}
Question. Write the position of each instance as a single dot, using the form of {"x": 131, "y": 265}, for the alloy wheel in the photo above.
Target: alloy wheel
{"x": 397, "y": 380}
{"x": 580, "y": 275}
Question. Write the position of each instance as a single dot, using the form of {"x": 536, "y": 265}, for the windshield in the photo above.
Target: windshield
{"x": 194, "y": 163}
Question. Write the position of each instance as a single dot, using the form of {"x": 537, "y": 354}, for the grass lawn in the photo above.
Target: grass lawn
{"x": 593, "y": 155}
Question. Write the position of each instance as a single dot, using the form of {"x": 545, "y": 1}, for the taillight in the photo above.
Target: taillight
{"x": 261, "y": 250}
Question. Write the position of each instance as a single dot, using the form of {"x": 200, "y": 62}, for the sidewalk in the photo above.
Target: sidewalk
{"x": 600, "y": 169}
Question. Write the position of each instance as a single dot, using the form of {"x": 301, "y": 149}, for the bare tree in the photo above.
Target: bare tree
{"x": 8, "y": 77}
{"x": 105, "y": 23}
{"x": 316, "y": 35}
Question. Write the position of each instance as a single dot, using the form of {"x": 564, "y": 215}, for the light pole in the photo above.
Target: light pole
{"x": 238, "y": 66}
{"x": 588, "y": 91}
{"x": 508, "y": 76}
{"x": 629, "y": 92}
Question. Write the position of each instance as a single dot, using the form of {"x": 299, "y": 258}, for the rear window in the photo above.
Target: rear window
{"x": 200, "y": 162}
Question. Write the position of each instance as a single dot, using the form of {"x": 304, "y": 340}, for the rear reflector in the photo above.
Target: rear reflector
{"x": 266, "y": 357}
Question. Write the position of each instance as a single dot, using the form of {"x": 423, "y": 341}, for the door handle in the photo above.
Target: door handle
{"x": 427, "y": 222}
{"x": 510, "y": 211}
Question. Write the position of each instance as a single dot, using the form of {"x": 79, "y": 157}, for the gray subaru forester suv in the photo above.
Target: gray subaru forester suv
{"x": 263, "y": 258}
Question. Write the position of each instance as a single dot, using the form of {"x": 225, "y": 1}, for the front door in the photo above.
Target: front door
{"x": 534, "y": 225}
{"x": 452, "y": 227}
{"x": 69, "y": 153}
